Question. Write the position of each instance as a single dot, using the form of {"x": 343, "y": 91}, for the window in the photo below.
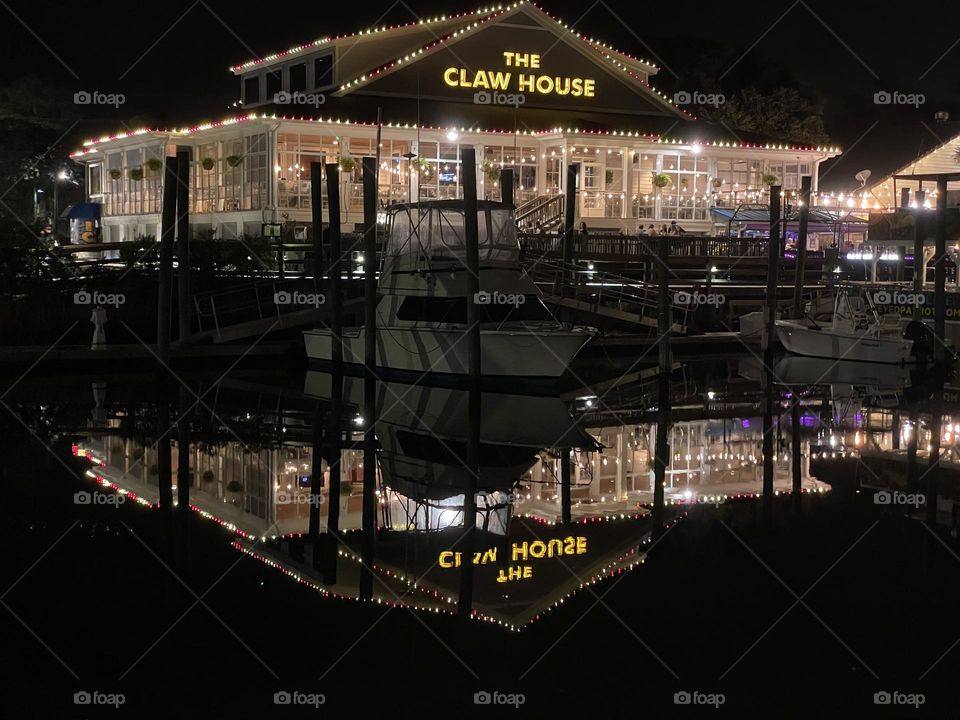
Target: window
{"x": 251, "y": 90}
{"x": 644, "y": 166}
{"x": 298, "y": 77}
{"x": 274, "y": 84}
{"x": 95, "y": 180}
{"x": 323, "y": 71}
{"x": 687, "y": 196}
{"x": 255, "y": 172}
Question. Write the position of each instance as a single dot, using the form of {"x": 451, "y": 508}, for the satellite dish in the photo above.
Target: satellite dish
{"x": 862, "y": 177}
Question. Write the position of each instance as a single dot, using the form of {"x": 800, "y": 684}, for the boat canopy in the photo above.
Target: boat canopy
{"x": 434, "y": 231}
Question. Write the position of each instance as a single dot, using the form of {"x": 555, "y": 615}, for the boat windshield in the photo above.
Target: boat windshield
{"x": 430, "y": 232}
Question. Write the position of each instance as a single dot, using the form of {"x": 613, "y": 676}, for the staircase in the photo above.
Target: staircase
{"x": 544, "y": 211}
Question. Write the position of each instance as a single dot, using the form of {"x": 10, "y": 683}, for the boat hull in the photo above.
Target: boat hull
{"x": 825, "y": 343}
{"x": 503, "y": 353}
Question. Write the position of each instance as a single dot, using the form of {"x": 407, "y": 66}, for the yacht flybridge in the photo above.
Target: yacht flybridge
{"x": 422, "y": 310}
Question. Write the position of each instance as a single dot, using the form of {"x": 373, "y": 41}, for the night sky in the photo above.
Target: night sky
{"x": 170, "y": 60}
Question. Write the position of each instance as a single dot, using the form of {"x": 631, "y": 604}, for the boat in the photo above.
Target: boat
{"x": 423, "y": 295}
{"x": 856, "y": 331}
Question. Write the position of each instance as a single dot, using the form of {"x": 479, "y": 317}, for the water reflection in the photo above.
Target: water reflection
{"x": 255, "y": 444}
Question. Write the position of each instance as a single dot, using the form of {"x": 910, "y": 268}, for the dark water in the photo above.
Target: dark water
{"x": 207, "y": 594}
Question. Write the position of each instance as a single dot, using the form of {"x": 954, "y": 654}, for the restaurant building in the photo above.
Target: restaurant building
{"x": 518, "y": 85}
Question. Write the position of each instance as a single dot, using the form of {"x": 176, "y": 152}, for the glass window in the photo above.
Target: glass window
{"x": 298, "y": 77}
{"x": 323, "y": 71}
{"x": 251, "y": 90}
{"x": 274, "y": 84}
{"x": 95, "y": 180}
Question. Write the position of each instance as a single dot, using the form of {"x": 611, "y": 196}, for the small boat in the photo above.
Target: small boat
{"x": 856, "y": 332}
{"x": 422, "y": 310}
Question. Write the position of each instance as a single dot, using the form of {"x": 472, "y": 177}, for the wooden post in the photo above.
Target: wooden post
{"x": 471, "y": 235}
{"x": 162, "y": 429}
{"x": 933, "y": 459}
{"x": 168, "y": 221}
{"x": 183, "y": 451}
{"x": 316, "y": 485}
{"x": 801, "y": 261}
{"x": 768, "y": 450}
{"x": 919, "y": 238}
{"x": 773, "y": 263}
{"x": 183, "y": 247}
{"x": 316, "y": 212}
{"x": 664, "y": 328}
{"x": 940, "y": 273}
{"x": 565, "y": 485}
{"x": 796, "y": 460}
{"x": 912, "y": 452}
{"x": 369, "y": 377}
{"x": 506, "y": 186}
{"x": 333, "y": 271}
{"x": 569, "y": 218}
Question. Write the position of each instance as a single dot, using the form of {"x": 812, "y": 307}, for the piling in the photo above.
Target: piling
{"x": 472, "y": 240}
{"x": 773, "y": 266}
{"x": 183, "y": 247}
{"x": 940, "y": 273}
{"x": 316, "y": 213}
{"x": 565, "y": 485}
{"x": 664, "y": 327}
{"x": 168, "y": 221}
{"x": 183, "y": 450}
{"x": 796, "y": 460}
{"x": 801, "y": 262}
{"x": 506, "y": 186}
{"x": 333, "y": 270}
{"x": 369, "y": 376}
{"x": 919, "y": 236}
{"x": 569, "y": 217}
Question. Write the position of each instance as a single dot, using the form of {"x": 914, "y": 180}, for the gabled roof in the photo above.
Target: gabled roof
{"x": 891, "y": 149}
{"x": 610, "y": 60}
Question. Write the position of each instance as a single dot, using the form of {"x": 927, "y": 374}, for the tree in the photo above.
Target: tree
{"x": 782, "y": 113}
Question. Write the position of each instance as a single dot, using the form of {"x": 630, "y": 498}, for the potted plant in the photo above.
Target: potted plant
{"x": 717, "y": 182}
{"x": 154, "y": 164}
{"x": 608, "y": 177}
{"x": 491, "y": 171}
{"x": 136, "y": 174}
{"x": 769, "y": 180}
{"x": 207, "y": 163}
{"x": 116, "y": 174}
{"x": 208, "y": 476}
{"x": 348, "y": 164}
{"x": 234, "y": 160}
{"x": 660, "y": 180}
{"x": 234, "y": 486}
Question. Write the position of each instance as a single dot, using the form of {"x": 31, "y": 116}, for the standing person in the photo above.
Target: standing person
{"x": 583, "y": 230}
{"x": 663, "y": 230}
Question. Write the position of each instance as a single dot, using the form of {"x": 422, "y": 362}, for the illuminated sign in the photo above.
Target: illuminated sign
{"x": 520, "y": 552}
{"x": 521, "y": 77}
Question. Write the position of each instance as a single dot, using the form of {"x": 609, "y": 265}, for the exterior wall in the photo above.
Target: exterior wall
{"x": 258, "y": 171}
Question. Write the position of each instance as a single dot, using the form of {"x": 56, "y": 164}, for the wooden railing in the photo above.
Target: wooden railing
{"x": 644, "y": 245}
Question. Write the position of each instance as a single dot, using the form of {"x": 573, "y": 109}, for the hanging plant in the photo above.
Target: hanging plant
{"x": 491, "y": 171}
{"x": 660, "y": 180}
{"x": 234, "y": 486}
{"x": 769, "y": 180}
{"x": 684, "y": 183}
{"x": 348, "y": 164}
{"x": 136, "y": 174}
{"x": 717, "y": 182}
{"x": 608, "y": 177}
{"x": 154, "y": 164}
{"x": 116, "y": 174}
{"x": 208, "y": 476}
{"x": 207, "y": 163}
{"x": 234, "y": 160}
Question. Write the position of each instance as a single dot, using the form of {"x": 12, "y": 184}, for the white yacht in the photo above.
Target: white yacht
{"x": 855, "y": 332}
{"x": 422, "y": 310}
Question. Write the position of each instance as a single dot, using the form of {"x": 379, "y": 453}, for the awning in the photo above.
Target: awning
{"x": 761, "y": 214}
{"x": 82, "y": 211}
